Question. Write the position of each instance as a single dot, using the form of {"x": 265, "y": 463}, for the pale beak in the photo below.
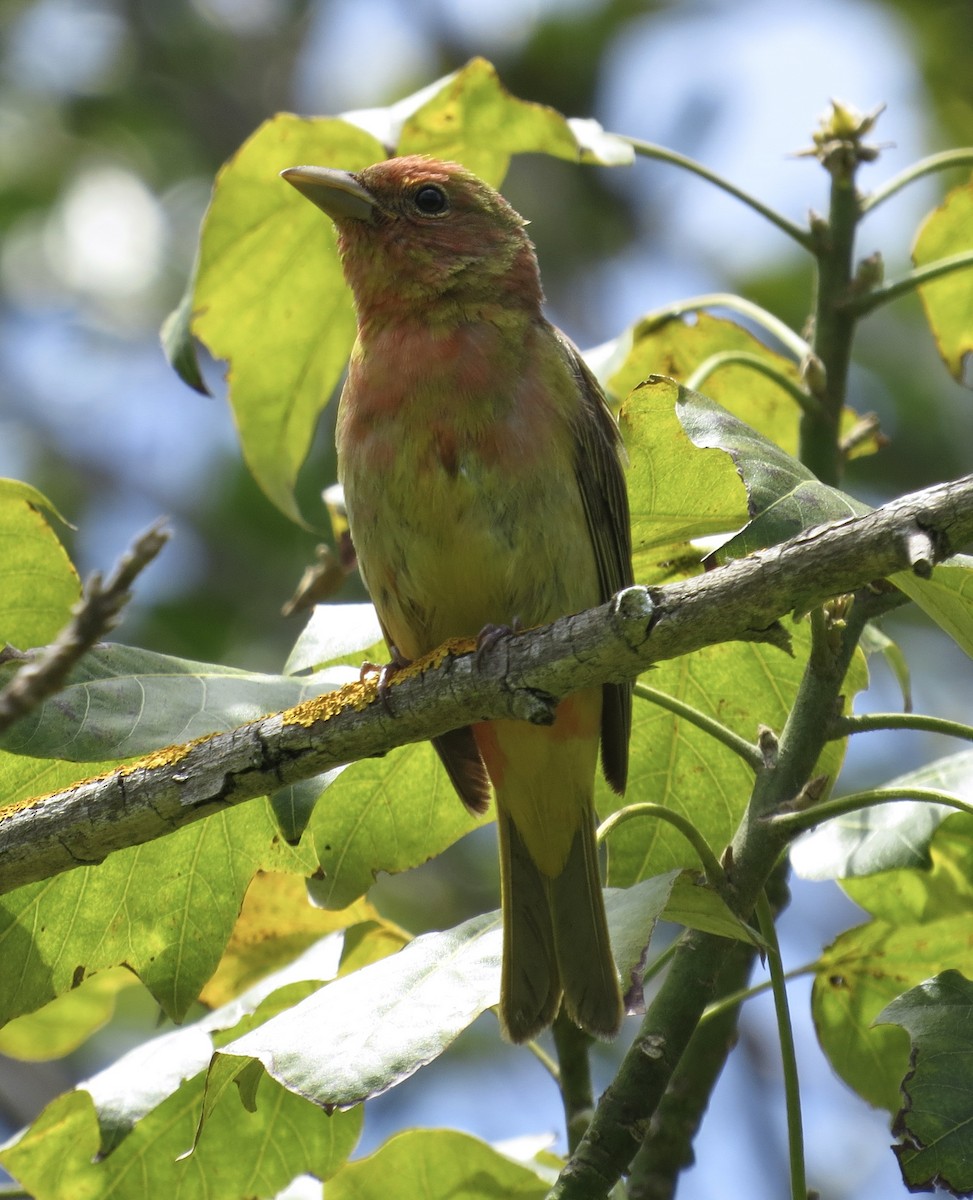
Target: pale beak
{"x": 338, "y": 193}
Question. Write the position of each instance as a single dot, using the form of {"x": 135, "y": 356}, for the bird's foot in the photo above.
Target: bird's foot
{"x": 385, "y": 671}
{"x": 489, "y": 635}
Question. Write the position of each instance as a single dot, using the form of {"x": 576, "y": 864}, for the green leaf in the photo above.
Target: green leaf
{"x": 677, "y": 491}
{"x": 743, "y": 685}
{"x": 240, "y": 1153}
{"x": 38, "y": 584}
{"x": 891, "y": 835}
{"x": 270, "y": 297}
{"x": 121, "y": 701}
{"x": 935, "y": 1123}
{"x": 396, "y": 1015}
{"x": 384, "y": 814}
{"x": 137, "y": 1083}
{"x": 276, "y": 924}
{"x": 429, "y": 1164}
{"x": 784, "y": 497}
{"x": 948, "y": 301}
{"x": 177, "y": 341}
{"x": 336, "y": 632}
{"x": 164, "y": 909}
{"x": 62, "y": 1026}
{"x": 696, "y": 905}
{"x": 14, "y": 490}
{"x": 125, "y": 1128}
{"x": 946, "y": 598}
{"x": 876, "y": 641}
{"x": 471, "y": 118}
{"x": 676, "y": 346}
{"x": 674, "y": 499}
{"x": 922, "y": 894}
{"x": 381, "y": 1023}
{"x": 858, "y": 975}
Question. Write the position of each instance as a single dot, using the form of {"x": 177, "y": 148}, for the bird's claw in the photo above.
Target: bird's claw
{"x": 489, "y": 635}
{"x": 385, "y": 671}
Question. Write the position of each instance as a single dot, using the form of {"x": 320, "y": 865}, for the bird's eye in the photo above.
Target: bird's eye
{"x": 430, "y": 200}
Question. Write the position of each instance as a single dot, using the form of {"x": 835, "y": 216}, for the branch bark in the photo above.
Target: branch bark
{"x": 521, "y": 676}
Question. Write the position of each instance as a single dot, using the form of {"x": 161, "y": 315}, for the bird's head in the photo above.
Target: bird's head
{"x": 416, "y": 231}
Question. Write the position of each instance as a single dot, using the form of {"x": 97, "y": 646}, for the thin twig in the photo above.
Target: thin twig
{"x": 99, "y": 610}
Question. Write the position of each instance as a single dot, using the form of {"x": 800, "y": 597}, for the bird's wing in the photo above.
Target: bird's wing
{"x": 601, "y": 480}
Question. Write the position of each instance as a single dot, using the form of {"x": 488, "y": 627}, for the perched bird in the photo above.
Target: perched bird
{"x": 483, "y": 479}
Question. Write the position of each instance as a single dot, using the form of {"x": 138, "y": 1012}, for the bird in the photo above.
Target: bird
{"x": 483, "y": 474}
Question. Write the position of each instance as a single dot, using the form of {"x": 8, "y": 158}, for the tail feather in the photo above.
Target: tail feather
{"x": 555, "y": 939}
{"x": 591, "y": 995}
{"x": 530, "y": 990}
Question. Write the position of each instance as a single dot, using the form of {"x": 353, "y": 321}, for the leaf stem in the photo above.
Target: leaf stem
{"x": 919, "y": 722}
{"x": 729, "y": 357}
{"x": 793, "y": 342}
{"x": 799, "y": 822}
{"x": 863, "y": 303}
{"x": 926, "y": 166}
{"x": 548, "y": 1063}
{"x": 749, "y": 993}
{"x": 792, "y": 1091}
{"x": 663, "y": 154}
{"x": 733, "y": 741}
{"x": 711, "y": 866}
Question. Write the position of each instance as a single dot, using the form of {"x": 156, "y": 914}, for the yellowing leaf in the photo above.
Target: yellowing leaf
{"x": 276, "y": 923}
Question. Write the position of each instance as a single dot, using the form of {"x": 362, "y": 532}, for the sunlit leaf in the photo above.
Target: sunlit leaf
{"x": 679, "y": 346}
{"x": 673, "y": 762}
{"x": 429, "y": 1164}
{"x": 165, "y": 909}
{"x": 384, "y": 814}
{"x": 276, "y": 924}
{"x": 396, "y": 1015}
{"x": 946, "y": 597}
{"x": 333, "y": 632}
{"x": 270, "y": 298}
{"x": 58, "y": 1154}
{"x": 948, "y": 301}
{"x": 38, "y": 584}
{"x": 915, "y": 895}
{"x": 63, "y": 1024}
{"x": 474, "y": 120}
{"x": 677, "y": 491}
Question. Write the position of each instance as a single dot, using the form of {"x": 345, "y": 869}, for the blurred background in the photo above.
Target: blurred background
{"x": 114, "y": 117}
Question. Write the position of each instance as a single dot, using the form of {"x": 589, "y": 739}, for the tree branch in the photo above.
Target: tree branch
{"x": 520, "y": 677}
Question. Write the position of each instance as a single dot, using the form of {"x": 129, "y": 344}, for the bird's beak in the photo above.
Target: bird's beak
{"x": 338, "y": 193}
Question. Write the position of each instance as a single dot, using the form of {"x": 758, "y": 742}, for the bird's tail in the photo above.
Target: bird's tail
{"x": 555, "y": 939}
